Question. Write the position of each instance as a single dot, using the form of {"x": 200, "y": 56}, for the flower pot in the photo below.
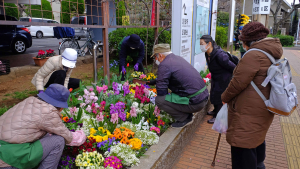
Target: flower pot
{"x": 138, "y": 81}
{"x": 39, "y": 61}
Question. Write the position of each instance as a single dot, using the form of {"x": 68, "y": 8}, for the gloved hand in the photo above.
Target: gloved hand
{"x": 136, "y": 67}
{"x": 78, "y": 138}
{"x": 123, "y": 70}
{"x": 151, "y": 82}
{"x": 41, "y": 91}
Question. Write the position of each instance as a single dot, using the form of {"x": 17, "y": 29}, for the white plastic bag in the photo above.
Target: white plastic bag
{"x": 221, "y": 122}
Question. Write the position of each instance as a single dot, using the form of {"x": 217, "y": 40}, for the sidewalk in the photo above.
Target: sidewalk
{"x": 283, "y": 137}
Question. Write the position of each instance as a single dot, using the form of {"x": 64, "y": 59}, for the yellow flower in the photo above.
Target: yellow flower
{"x": 158, "y": 117}
{"x": 92, "y": 131}
{"x": 108, "y": 132}
{"x": 135, "y": 143}
{"x": 105, "y": 138}
{"x": 101, "y": 129}
{"x": 127, "y": 115}
{"x": 132, "y": 91}
{"x": 99, "y": 139}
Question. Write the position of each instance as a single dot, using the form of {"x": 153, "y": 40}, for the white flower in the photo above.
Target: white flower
{"x": 135, "y": 104}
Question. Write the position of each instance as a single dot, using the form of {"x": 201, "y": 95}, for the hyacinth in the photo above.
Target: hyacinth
{"x": 100, "y": 117}
{"x": 113, "y": 162}
{"x": 114, "y": 118}
{"x": 133, "y": 112}
{"x": 119, "y": 109}
{"x": 126, "y": 89}
{"x": 100, "y": 89}
{"x": 115, "y": 88}
{"x": 73, "y": 110}
{"x": 156, "y": 111}
{"x": 89, "y": 97}
{"x": 156, "y": 129}
{"x": 140, "y": 94}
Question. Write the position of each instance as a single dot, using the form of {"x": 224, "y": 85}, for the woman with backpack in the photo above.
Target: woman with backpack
{"x": 221, "y": 69}
{"x": 248, "y": 116}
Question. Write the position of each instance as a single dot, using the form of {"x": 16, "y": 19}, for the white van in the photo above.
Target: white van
{"x": 39, "y": 31}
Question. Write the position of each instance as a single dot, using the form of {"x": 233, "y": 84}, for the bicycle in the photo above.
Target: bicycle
{"x": 81, "y": 50}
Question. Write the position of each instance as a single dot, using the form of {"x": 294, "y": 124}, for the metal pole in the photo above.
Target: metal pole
{"x": 244, "y": 7}
{"x": 231, "y": 25}
{"x": 297, "y": 38}
{"x": 95, "y": 64}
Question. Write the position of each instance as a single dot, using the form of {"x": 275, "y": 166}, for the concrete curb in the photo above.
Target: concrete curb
{"x": 16, "y": 72}
{"x": 171, "y": 143}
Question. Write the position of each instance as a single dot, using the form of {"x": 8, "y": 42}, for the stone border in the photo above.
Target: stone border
{"x": 16, "y": 72}
{"x": 171, "y": 143}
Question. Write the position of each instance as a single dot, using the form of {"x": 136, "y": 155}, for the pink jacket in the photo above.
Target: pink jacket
{"x": 29, "y": 121}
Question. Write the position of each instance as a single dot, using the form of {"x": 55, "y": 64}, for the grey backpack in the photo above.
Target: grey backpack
{"x": 283, "y": 96}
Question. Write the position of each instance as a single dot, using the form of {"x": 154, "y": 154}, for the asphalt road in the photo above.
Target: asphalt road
{"x": 37, "y": 44}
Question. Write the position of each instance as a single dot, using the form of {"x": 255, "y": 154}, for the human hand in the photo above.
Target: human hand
{"x": 136, "y": 67}
{"x": 223, "y": 103}
{"x": 123, "y": 70}
{"x": 41, "y": 91}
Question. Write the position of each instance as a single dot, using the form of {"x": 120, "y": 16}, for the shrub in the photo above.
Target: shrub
{"x": 223, "y": 19}
{"x": 221, "y": 36}
{"x": 285, "y": 40}
{"x": 116, "y": 36}
{"x": 38, "y": 13}
{"x": 121, "y": 11}
{"x": 11, "y": 11}
{"x": 69, "y": 8}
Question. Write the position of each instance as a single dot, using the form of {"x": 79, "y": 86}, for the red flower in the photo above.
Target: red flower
{"x": 81, "y": 148}
{"x": 94, "y": 149}
{"x": 41, "y": 52}
{"x": 204, "y": 81}
{"x": 89, "y": 150}
{"x": 127, "y": 64}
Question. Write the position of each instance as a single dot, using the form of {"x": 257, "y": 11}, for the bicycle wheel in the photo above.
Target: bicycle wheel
{"x": 68, "y": 43}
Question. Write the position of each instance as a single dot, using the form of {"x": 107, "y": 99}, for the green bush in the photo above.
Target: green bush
{"x": 223, "y": 19}
{"x": 221, "y": 36}
{"x": 38, "y": 13}
{"x": 116, "y": 36}
{"x": 121, "y": 11}
{"x": 11, "y": 11}
{"x": 285, "y": 40}
{"x": 70, "y": 8}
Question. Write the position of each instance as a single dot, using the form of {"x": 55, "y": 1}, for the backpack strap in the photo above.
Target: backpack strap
{"x": 258, "y": 91}
{"x": 272, "y": 59}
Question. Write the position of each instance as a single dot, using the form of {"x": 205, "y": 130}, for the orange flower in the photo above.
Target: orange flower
{"x": 70, "y": 90}
{"x": 66, "y": 119}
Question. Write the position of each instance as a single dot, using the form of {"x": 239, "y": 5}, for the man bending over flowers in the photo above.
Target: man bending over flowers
{"x": 189, "y": 93}
{"x": 32, "y": 132}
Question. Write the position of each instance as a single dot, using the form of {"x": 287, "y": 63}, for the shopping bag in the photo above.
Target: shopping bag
{"x": 221, "y": 122}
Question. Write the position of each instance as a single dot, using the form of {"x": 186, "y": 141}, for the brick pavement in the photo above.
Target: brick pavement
{"x": 283, "y": 138}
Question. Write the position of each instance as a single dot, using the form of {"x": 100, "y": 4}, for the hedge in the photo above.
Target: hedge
{"x": 285, "y": 40}
{"x": 38, "y": 13}
{"x": 121, "y": 11}
{"x": 11, "y": 11}
{"x": 223, "y": 19}
{"x": 69, "y": 8}
{"x": 221, "y": 36}
{"x": 116, "y": 36}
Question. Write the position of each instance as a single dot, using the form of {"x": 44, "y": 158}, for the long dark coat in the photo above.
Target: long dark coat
{"x": 221, "y": 69}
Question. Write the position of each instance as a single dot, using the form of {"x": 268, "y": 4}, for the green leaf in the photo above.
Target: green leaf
{"x": 79, "y": 115}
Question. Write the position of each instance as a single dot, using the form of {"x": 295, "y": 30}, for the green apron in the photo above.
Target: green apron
{"x": 22, "y": 156}
{"x": 135, "y": 54}
{"x": 174, "y": 98}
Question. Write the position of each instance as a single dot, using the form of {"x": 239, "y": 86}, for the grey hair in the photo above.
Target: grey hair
{"x": 166, "y": 53}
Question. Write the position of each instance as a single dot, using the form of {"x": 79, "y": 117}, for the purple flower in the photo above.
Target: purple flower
{"x": 108, "y": 149}
{"x": 146, "y": 149}
{"x": 65, "y": 163}
{"x": 72, "y": 130}
{"x": 142, "y": 145}
{"x": 126, "y": 89}
{"x": 146, "y": 86}
{"x": 122, "y": 116}
{"x": 68, "y": 158}
{"x": 80, "y": 124}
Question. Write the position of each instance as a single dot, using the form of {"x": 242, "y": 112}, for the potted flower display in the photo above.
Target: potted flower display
{"x": 43, "y": 56}
{"x": 139, "y": 77}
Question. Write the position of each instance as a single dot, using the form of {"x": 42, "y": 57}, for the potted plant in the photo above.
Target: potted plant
{"x": 139, "y": 77}
{"x": 43, "y": 56}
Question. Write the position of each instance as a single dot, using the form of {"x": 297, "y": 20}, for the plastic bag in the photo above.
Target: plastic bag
{"x": 221, "y": 122}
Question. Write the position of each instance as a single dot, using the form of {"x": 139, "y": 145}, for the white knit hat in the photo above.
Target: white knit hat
{"x": 69, "y": 57}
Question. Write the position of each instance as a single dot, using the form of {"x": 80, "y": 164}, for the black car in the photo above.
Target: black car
{"x": 14, "y": 37}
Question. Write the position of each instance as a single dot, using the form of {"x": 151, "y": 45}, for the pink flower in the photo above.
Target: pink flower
{"x": 143, "y": 76}
{"x": 80, "y": 98}
{"x": 41, "y": 52}
{"x": 208, "y": 76}
{"x": 99, "y": 117}
{"x": 82, "y": 105}
{"x": 156, "y": 111}
{"x": 156, "y": 129}
{"x": 89, "y": 109}
{"x": 146, "y": 91}
{"x": 126, "y": 83}
{"x": 91, "y": 89}
{"x": 133, "y": 112}
{"x": 73, "y": 110}
{"x": 99, "y": 89}
{"x": 114, "y": 118}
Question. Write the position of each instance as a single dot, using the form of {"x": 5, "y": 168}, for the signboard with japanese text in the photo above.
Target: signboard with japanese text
{"x": 186, "y": 29}
{"x": 261, "y": 7}
{"x": 125, "y": 20}
{"x": 153, "y": 14}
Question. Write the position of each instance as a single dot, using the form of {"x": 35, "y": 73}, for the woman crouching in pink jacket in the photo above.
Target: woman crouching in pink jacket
{"x": 32, "y": 132}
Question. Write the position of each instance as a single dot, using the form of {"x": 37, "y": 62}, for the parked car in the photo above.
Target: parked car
{"x": 81, "y": 20}
{"x": 14, "y": 37}
{"x": 39, "y": 31}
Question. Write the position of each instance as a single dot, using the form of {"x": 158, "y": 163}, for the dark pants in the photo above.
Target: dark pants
{"x": 243, "y": 158}
{"x": 179, "y": 112}
{"x": 141, "y": 69}
{"x": 242, "y": 54}
{"x": 217, "y": 108}
{"x": 59, "y": 77}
